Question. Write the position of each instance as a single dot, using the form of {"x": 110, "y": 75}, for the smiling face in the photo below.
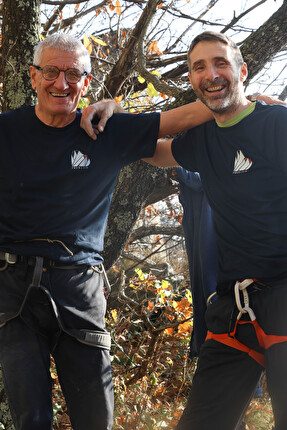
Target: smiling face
{"x": 217, "y": 79}
{"x": 58, "y": 100}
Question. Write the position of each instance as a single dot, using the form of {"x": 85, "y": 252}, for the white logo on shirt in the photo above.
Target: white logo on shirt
{"x": 241, "y": 163}
{"x": 79, "y": 160}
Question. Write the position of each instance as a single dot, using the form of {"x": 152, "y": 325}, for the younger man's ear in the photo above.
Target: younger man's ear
{"x": 189, "y": 77}
{"x": 243, "y": 72}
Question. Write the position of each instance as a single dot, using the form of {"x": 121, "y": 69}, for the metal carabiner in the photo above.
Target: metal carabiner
{"x": 241, "y": 286}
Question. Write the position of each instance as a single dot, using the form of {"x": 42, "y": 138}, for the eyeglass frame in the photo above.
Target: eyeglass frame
{"x": 64, "y": 71}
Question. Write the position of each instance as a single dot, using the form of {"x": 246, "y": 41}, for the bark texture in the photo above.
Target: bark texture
{"x": 20, "y": 33}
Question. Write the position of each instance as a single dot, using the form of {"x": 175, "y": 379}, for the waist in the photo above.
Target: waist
{"x": 261, "y": 284}
{"x": 9, "y": 258}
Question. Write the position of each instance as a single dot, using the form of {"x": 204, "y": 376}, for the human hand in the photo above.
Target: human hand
{"x": 102, "y": 111}
{"x": 269, "y": 100}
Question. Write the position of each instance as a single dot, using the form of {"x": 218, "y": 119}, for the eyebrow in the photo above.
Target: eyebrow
{"x": 215, "y": 58}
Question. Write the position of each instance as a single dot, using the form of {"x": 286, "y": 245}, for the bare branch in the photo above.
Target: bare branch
{"x": 62, "y": 2}
{"x": 283, "y": 95}
{"x": 141, "y": 232}
{"x": 236, "y": 19}
{"x": 141, "y": 64}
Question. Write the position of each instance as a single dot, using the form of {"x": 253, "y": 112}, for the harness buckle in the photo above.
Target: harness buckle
{"x": 10, "y": 258}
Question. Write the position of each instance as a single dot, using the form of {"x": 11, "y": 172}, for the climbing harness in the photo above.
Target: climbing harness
{"x": 265, "y": 340}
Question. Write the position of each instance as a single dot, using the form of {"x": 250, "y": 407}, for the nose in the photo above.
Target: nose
{"x": 61, "y": 82}
{"x": 212, "y": 72}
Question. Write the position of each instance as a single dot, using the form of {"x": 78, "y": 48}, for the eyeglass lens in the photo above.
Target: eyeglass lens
{"x": 52, "y": 72}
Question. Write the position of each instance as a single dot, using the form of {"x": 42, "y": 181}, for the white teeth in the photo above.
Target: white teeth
{"x": 59, "y": 95}
{"x": 214, "y": 88}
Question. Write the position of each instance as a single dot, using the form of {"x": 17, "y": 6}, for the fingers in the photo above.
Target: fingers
{"x": 103, "y": 119}
{"x": 86, "y": 122}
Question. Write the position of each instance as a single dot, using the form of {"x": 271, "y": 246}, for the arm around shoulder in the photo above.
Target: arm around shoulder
{"x": 163, "y": 155}
{"x": 183, "y": 118}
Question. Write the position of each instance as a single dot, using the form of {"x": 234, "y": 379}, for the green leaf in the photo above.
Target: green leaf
{"x": 141, "y": 79}
{"x": 152, "y": 92}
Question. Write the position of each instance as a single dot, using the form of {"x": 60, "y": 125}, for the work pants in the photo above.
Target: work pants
{"x": 226, "y": 378}
{"x": 84, "y": 371}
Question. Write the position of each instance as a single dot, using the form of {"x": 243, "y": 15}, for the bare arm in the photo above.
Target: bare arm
{"x": 183, "y": 118}
{"x": 163, "y": 156}
{"x": 269, "y": 100}
{"x": 171, "y": 122}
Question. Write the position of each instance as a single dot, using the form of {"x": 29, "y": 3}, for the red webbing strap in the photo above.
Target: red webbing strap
{"x": 226, "y": 339}
{"x": 264, "y": 340}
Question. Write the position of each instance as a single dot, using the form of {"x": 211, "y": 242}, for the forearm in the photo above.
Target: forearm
{"x": 267, "y": 99}
{"x": 183, "y": 118}
{"x": 163, "y": 155}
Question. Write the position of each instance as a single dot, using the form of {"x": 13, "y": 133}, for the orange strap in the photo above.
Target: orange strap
{"x": 264, "y": 340}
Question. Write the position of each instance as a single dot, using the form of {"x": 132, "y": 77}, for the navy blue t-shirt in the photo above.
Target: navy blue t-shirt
{"x": 243, "y": 169}
{"x": 57, "y": 183}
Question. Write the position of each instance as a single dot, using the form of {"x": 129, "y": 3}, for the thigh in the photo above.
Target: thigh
{"x": 276, "y": 374}
{"x": 85, "y": 376}
{"x": 270, "y": 309}
{"x": 222, "y": 387}
{"x": 25, "y": 361}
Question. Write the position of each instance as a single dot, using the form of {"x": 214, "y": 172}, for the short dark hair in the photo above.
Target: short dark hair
{"x": 215, "y": 37}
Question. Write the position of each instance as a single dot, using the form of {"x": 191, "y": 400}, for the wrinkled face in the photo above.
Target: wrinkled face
{"x": 215, "y": 76}
{"x": 58, "y": 99}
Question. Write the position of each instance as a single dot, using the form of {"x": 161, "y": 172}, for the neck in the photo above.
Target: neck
{"x": 232, "y": 110}
{"x": 56, "y": 120}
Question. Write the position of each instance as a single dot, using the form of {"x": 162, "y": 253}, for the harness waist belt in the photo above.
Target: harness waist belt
{"x": 31, "y": 261}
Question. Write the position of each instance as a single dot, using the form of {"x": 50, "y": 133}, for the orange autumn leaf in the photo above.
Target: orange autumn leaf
{"x": 77, "y": 7}
{"x": 164, "y": 96}
{"x": 154, "y": 48}
{"x": 118, "y": 8}
{"x": 169, "y": 331}
{"x": 150, "y": 306}
{"x": 118, "y": 99}
{"x": 184, "y": 327}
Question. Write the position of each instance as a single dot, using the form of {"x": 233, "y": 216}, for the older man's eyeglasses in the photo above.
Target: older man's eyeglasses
{"x": 51, "y": 73}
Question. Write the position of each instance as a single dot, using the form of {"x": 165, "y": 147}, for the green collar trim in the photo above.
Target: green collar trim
{"x": 236, "y": 119}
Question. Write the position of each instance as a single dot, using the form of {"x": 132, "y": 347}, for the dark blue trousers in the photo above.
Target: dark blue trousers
{"x": 226, "y": 378}
{"x": 84, "y": 371}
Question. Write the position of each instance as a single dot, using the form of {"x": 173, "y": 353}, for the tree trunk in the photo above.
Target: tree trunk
{"x": 20, "y": 33}
{"x": 136, "y": 182}
{"x": 262, "y": 45}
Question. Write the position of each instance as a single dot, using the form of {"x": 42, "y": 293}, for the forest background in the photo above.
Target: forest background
{"x": 138, "y": 50}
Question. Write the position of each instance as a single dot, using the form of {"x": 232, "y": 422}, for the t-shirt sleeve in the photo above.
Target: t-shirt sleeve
{"x": 133, "y": 136}
{"x": 184, "y": 150}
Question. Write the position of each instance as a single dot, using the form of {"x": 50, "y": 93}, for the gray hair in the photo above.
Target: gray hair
{"x": 64, "y": 42}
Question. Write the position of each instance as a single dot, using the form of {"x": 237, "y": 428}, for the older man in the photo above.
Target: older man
{"x": 56, "y": 186}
